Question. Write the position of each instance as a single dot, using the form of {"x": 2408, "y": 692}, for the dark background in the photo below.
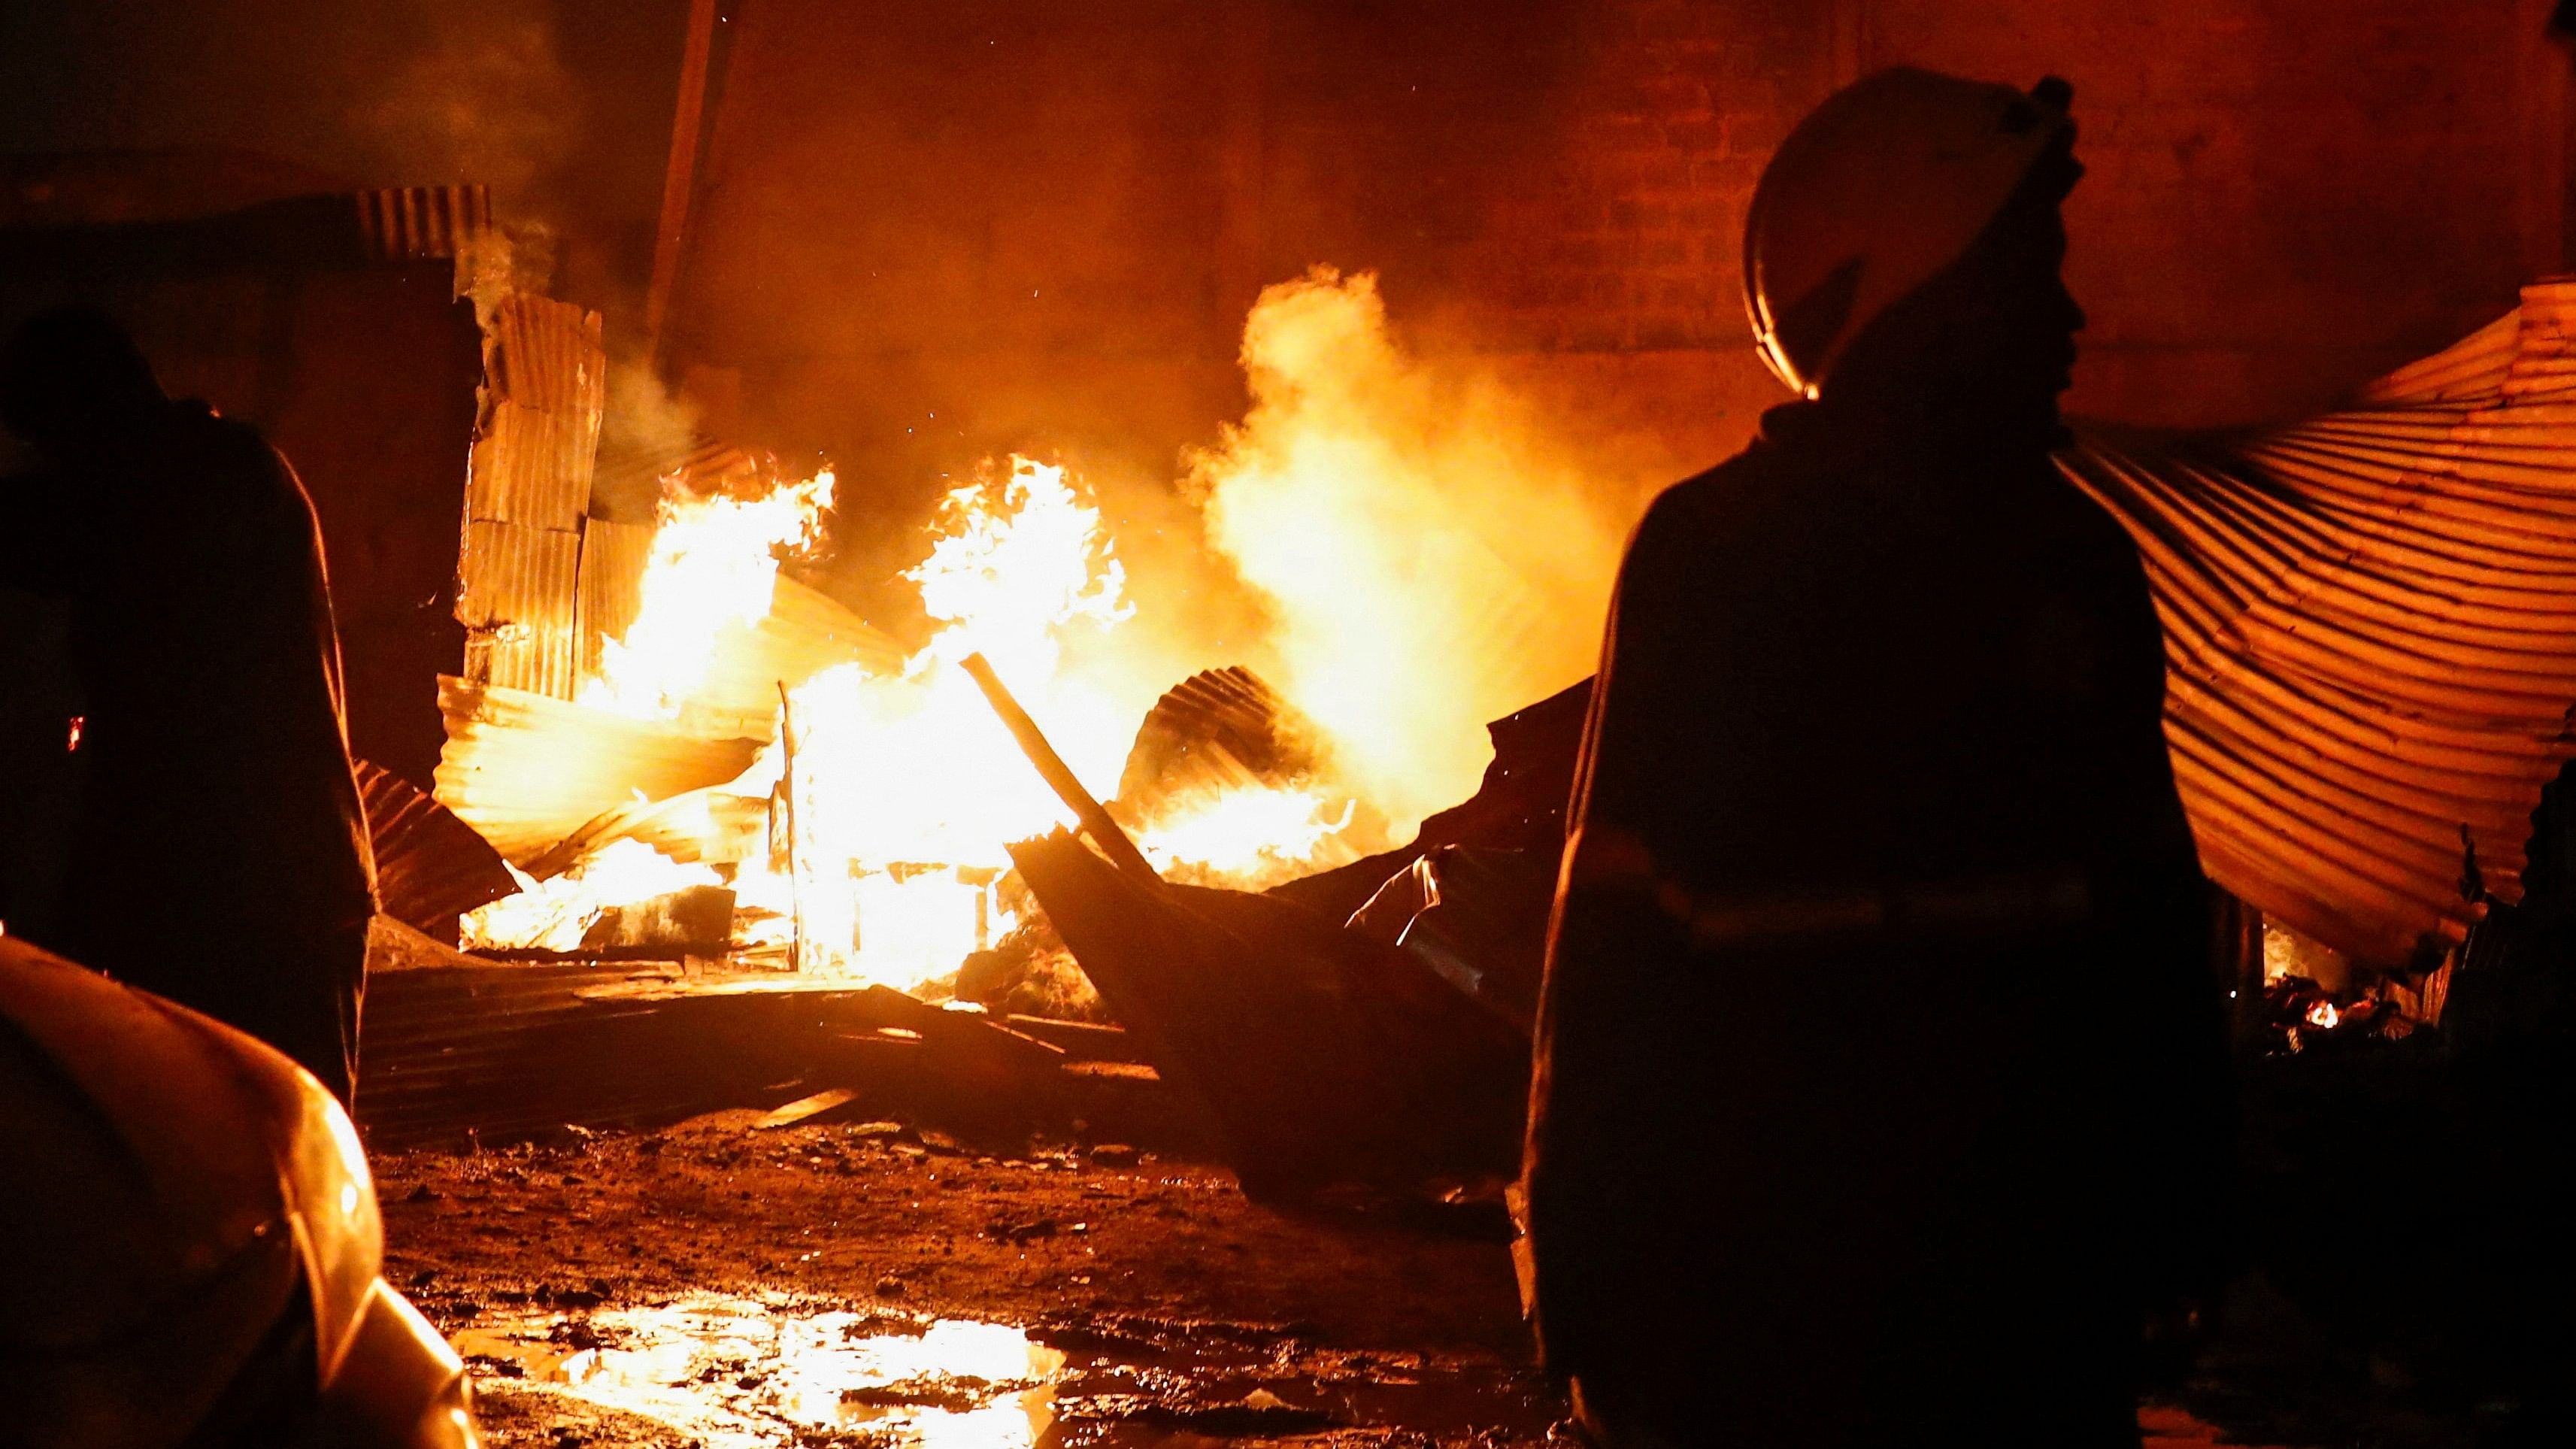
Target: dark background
{"x": 1044, "y": 222}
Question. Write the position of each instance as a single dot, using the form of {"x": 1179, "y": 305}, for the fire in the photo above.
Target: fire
{"x": 1251, "y": 837}
{"x": 713, "y": 567}
{"x": 904, "y": 789}
{"x": 1432, "y": 559}
{"x": 2323, "y": 1016}
{"x": 552, "y": 915}
{"x": 892, "y": 796}
{"x": 1421, "y": 558}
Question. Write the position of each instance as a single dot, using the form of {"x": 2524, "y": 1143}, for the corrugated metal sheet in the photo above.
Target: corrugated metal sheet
{"x": 502, "y": 1051}
{"x": 430, "y": 866}
{"x": 455, "y": 1051}
{"x": 705, "y": 465}
{"x": 519, "y": 575}
{"x": 1218, "y": 729}
{"x": 531, "y": 467}
{"x": 2370, "y": 624}
{"x": 516, "y": 597}
{"x": 612, "y": 579}
{"x": 527, "y": 493}
{"x": 526, "y": 770}
{"x": 544, "y": 392}
{"x": 547, "y": 355}
{"x": 415, "y": 223}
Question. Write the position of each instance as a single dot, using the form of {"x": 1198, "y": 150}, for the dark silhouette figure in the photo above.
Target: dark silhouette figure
{"x": 220, "y": 856}
{"x": 1881, "y": 1089}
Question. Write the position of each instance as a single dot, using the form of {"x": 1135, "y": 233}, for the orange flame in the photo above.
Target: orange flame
{"x": 903, "y": 788}
{"x": 713, "y": 568}
{"x": 1432, "y": 559}
{"x": 1423, "y": 557}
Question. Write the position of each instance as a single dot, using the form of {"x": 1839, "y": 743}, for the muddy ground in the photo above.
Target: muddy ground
{"x": 1130, "y": 1262}
{"x": 627, "y": 1289}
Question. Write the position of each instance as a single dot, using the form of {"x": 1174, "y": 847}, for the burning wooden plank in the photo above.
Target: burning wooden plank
{"x": 1104, "y": 832}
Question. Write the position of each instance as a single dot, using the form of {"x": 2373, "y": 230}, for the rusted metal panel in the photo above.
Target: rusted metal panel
{"x": 2370, "y": 627}
{"x": 612, "y": 583}
{"x": 547, "y": 355}
{"x": 528, "y": 493}
{"x": 520, "y": 575}
{"x": 545, "y": 378}
{"x": 516, "y": 598}
{"x": 530, "y": 467}
{"x": 430, "y": 866}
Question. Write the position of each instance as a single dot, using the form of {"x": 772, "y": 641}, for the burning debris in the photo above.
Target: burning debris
{"x": 865, "y": 839}
{"x": 748, "y": 780}
{"x": 2313, "y": 998}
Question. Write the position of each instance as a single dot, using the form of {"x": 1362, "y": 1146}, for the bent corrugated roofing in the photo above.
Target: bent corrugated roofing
{"x": 2370, "y": 632}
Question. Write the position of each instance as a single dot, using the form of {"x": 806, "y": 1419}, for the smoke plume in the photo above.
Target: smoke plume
{"x": 1430, "y": 558}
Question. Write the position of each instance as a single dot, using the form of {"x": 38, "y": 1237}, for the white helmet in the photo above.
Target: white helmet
{"x": 1873, "y": 194}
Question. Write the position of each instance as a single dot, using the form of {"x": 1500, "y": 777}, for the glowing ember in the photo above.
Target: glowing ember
{"x": 2323, "y": 1016}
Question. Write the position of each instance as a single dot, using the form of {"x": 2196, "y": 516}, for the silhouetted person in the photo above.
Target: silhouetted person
{"x": 220, "y": 856}
{"x": 1880, "y": 1087}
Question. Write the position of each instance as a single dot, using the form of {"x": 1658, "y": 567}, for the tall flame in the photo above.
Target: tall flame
{"x": 894, "y": 795}
{"x": 913, "y": 767}
{"x": 1426, "y": 560}
{"x": 713, "y": 567}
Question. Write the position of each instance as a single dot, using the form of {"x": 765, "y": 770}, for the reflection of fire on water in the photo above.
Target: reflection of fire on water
{"x": 890, "y": 795}
{"x": 741, "y": 1373}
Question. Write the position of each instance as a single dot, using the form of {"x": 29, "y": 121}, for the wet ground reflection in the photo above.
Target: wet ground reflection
{"x": 748, "y": 1373}
{"x": 740, "y": 1373}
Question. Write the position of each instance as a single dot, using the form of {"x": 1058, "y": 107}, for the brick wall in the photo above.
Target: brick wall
{"x": 2284, "y": 196}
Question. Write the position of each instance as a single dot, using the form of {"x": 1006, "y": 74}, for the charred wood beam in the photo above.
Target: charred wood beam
{"x": 1104, "y": 832}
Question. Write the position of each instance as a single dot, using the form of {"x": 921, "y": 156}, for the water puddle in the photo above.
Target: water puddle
{"x": 740, "y": 1373}
{"x": 750, "y": 1373}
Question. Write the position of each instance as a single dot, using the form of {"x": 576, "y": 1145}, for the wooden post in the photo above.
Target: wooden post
{"x": 787, "y": 794}
{"x": 1104, "y": 832}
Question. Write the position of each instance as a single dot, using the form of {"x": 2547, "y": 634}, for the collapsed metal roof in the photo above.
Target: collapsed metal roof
{"x": 2370, "y": 634}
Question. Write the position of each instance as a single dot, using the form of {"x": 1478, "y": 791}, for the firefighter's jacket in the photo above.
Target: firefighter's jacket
{"x": 1880, "y": 1069}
